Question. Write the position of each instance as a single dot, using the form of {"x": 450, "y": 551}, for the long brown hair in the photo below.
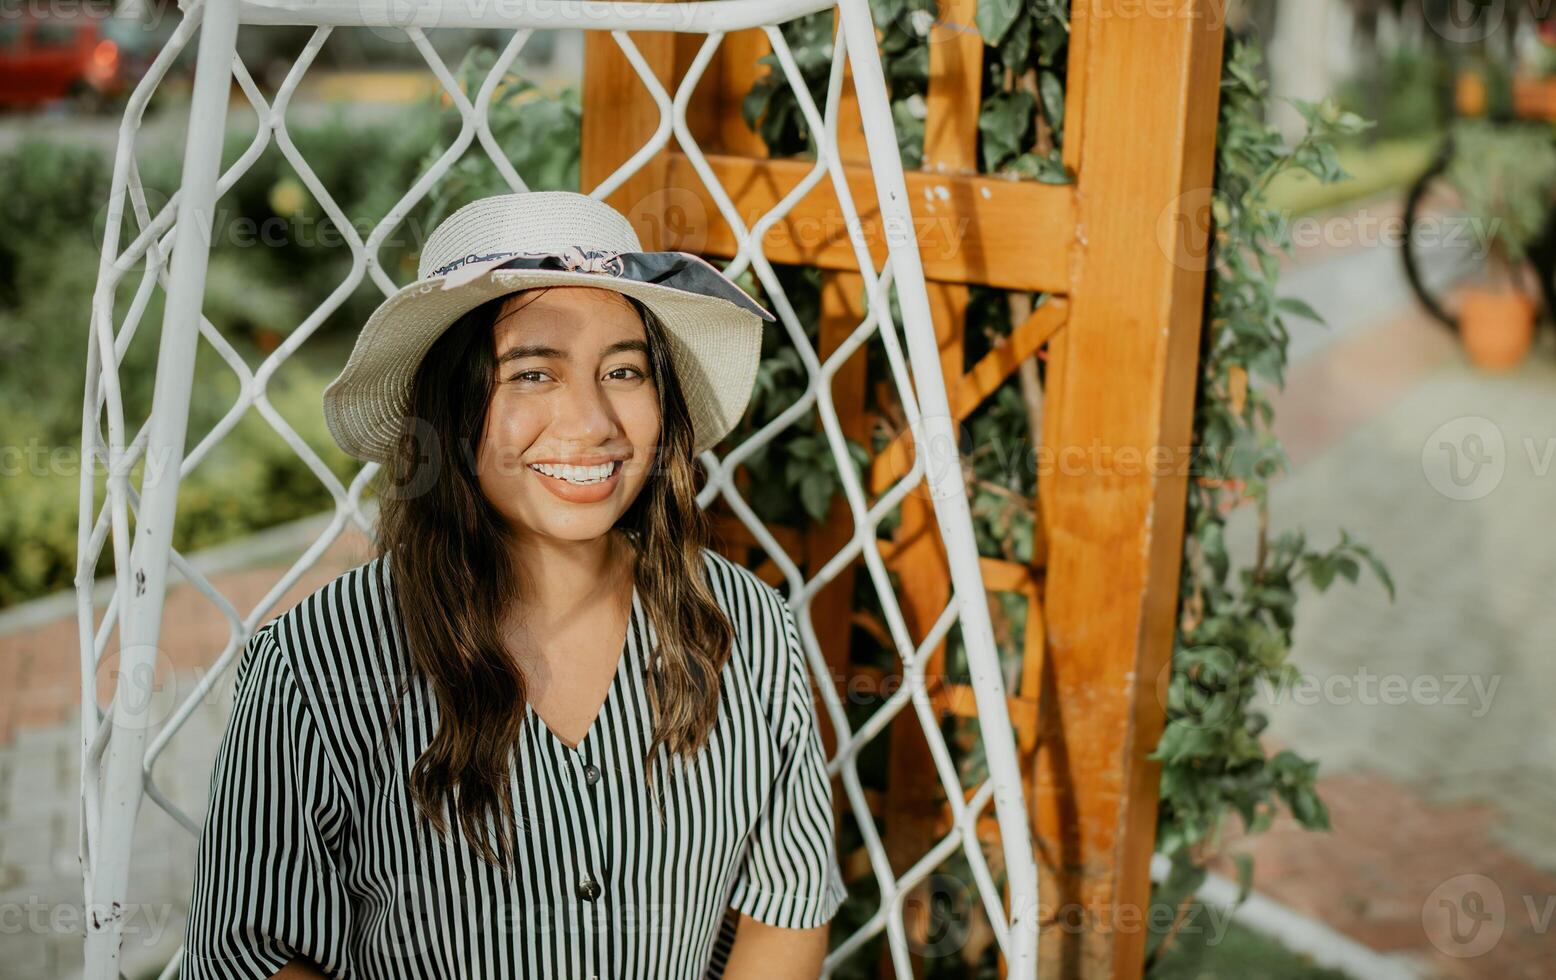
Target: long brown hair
{"x": 454, "y": 579}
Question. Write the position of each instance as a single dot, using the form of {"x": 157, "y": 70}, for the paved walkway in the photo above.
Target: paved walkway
{"x": 1431, "y": 717}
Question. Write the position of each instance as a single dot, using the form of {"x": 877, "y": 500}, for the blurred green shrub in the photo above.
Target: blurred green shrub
{"x": 276, "y": 256}
{"x": 1404, "y": 91}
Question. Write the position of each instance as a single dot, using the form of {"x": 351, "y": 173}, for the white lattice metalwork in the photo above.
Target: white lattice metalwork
{"x": 117, "y": 761}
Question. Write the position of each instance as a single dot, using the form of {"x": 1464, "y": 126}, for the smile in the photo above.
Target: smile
{"x": 580, "y": 476}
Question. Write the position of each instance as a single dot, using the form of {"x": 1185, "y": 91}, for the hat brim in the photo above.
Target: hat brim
{"x": 715, "y": 347}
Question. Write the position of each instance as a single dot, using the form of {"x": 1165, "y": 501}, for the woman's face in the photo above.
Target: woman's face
{"x": 573, "y": 424}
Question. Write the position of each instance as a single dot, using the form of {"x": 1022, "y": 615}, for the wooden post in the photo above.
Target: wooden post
{"x": 1122, "y": 379}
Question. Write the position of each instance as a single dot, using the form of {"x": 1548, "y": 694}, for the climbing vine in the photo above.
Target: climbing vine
{"x": 1237, "y": 611}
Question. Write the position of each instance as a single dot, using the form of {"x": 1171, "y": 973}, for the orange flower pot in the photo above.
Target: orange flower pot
{"x": 1496, "y": 325}
{"x": 1469, "y": 94}
{"x": 1534, "y": 96}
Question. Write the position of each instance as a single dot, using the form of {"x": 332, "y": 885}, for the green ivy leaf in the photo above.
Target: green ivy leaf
{"x": 1051, "y": 88}
{"x": 910, "y": 135}
{"x": 1003, "y": 123}
{"x": 1309, "y": 809}
{"x": 1016, "y": 47}
{"x": 816, "y": 495}
{"x": 1321, "y": 569}
{"x": 1044, "y": 169}
{"x": 1298, "y": 307}
{"x": 995, "y": 18}
{"x": 1212, "y": 544}
{"x": 1378, "y": 568}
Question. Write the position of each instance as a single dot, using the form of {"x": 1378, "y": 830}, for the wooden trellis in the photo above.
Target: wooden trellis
{"x": 1118, "y": 256}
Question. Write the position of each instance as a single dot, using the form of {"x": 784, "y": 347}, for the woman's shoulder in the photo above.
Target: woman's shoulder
{"x": 353, "y": 608}
{"x": 740, "y": 591}
{"x": 343, "y": 641}
{"x": 766, "y": 637}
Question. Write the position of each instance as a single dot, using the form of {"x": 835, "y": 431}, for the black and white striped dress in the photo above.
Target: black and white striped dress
{"x": 310, "y": 845}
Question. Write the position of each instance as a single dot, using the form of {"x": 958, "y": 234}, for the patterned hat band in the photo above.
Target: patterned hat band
{"x": 677, "y": 270}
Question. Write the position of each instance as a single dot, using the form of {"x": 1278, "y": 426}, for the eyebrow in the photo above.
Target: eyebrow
{"x": 541, "y": 350}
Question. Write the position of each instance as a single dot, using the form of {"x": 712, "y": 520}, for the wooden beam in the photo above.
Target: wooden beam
{"x": 841, "y": 311}
{"x": 983, "y": 378}
{"x": 969, "y": 391}
{"x": 963, "y": 223}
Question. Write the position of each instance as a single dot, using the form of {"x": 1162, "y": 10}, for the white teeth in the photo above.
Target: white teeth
{"x": 581, "y": 475}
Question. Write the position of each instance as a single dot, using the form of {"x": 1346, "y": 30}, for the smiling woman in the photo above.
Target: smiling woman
{"x": 547, "y": 731}
{"x": 575, "y": 401}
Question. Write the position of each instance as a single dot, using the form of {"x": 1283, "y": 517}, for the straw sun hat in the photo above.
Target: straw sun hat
{"x": 502, "y": 244}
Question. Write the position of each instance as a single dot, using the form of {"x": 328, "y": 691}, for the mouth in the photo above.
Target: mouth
{"x": 578, "y": 476}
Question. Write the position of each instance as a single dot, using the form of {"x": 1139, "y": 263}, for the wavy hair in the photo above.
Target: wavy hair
{"x": 454, "y": 579}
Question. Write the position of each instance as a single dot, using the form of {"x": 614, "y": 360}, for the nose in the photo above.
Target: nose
{"x": 584, "y": 416}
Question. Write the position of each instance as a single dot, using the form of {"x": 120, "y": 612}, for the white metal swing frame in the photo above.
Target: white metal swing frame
{"x": 116, "y": 760}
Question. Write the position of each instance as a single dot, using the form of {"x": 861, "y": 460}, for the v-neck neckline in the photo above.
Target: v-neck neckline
{"x": 623, "y": 656}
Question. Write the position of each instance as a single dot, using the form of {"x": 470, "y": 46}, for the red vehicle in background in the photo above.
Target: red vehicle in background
{"x": 92, "y": 61}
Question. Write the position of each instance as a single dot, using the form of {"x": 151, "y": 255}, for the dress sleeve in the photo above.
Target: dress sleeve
{"x": 266, "y": 881}
{"x": 790, "y": 875}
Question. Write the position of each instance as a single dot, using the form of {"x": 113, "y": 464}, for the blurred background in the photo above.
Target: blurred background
{"x": 1414, "y": 396}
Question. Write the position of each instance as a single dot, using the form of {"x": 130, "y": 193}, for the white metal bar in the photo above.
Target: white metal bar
{"x": 935, "y": 435}
{"x": 105, "y": 353}
{"x": 701, "y": 17}
{"x": 102, "y": 385}
{"x": 483, "y": 105}
{"x": 141, "y": 620}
